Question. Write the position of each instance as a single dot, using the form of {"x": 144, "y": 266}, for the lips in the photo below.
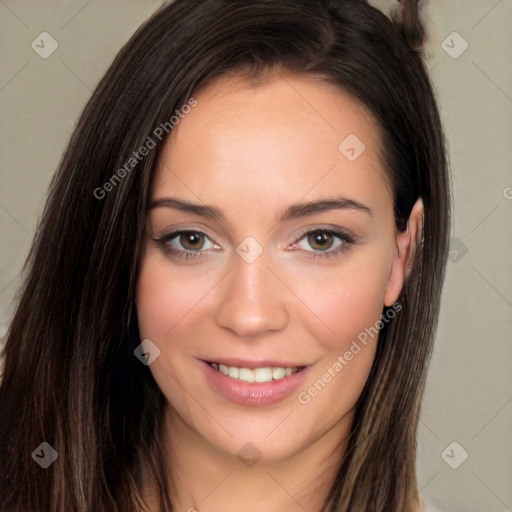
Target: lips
{"x": 261, "y": 382}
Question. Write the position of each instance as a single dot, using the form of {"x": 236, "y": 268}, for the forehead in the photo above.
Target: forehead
{"x": 288, "y": 137}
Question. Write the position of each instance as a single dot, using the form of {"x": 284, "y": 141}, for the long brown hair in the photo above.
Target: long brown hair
{"x": 70, "y": 377}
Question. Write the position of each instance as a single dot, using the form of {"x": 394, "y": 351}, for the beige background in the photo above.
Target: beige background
{"x": 469, "y": 394}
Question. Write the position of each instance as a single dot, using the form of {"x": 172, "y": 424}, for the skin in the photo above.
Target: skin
{"x": 252, "y": 152}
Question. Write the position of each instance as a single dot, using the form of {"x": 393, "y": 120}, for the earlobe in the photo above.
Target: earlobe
{"x": 406, "y": 243}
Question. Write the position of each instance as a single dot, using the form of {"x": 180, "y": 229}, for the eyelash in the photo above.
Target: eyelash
{"x": 346, "y": 241}
{"x": 163, "y": 242}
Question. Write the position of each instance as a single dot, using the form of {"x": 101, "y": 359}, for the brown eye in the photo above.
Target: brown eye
{"x": 191, "y": 241}
{"x": 325, "y": 243}
{"x": 186, "y": 245}
{"x": 320, "y": 240}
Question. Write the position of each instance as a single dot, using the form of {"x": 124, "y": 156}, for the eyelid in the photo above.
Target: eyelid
{"x": 163, "y": 239}
{"x": 342, "y": 233}
{"x": 185, "y": 227}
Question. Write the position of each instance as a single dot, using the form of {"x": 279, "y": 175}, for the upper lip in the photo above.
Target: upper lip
{"x": 254, "y": 363}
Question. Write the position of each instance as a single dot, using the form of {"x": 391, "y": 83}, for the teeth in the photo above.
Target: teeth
{"x": 257, "y": 375}
{"x": 246, "y": 375}
{"x": 278, "y": 373}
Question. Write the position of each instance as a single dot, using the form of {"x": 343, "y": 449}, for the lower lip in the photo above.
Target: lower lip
{"x": 253, "y": 393}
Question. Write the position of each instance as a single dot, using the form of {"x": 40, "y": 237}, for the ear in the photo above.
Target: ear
{"x": 406, "y": 243}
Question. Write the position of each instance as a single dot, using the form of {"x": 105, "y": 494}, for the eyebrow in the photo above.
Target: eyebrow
{"x": 293, "y": 211}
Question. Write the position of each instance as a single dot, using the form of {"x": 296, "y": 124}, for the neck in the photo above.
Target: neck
{"x": 205, "y": 478}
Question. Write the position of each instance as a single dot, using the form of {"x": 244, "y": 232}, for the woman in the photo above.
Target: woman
{"x": 231, "y": 300}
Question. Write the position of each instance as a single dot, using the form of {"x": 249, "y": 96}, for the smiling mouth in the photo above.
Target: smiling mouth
{"x": 265, "y": 374}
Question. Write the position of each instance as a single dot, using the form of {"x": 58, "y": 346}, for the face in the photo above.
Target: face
{"x": 270, "y": 250}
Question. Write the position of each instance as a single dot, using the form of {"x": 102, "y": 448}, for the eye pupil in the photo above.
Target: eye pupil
{"x": 320, "y": 240}
{"x": 192, "y": 241}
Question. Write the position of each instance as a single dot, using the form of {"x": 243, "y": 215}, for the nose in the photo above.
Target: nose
{"x": 252, "y": 300}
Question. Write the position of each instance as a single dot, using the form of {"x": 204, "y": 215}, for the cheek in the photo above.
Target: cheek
{"x": 350, "y": 304}
{"x": 168, "y": 305}
{"x": 346, "y": 300}
{"x": 165, "y": 299}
